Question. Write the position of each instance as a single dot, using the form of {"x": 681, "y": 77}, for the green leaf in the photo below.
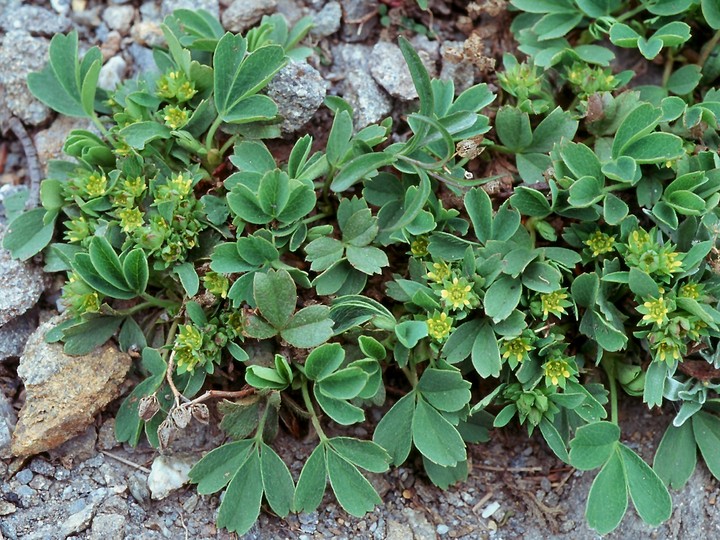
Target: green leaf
{"x": 139, "y": 134}
{"x": 323, "y": 252}
{"x": 107, "y": 263}
{"x": 353, "y": 491}
{"x": 530, "y": 202}
{"x": 711, "y": 12}
{"x": 585, "y": 192}
{"x": 444, "y": 389}
{"x": 265, "y": 378}
{"x": 673, "y": 34}
{"x": 311, "y": 484}
{"x": 215, "y": 470}
{"x": 502, "y": 297}
{"x": 642, "y": 284}
{"x": 359, "y": 168}
{"x": 323, "y": 361}
{"x": 581, "y": 160}
{"x": 394, "y": 432}
{"x": 252, "y": 156}
{"x": 240, "y": 507}
{"x": 444, "y": 477}
{"x": 372, "y": 348}
{"x": 28, "y": 234}
{"x": 460, "y": 343}
{"x": 409, "y": 333}
{"x": 623, "y": 169}
{"x": 485, "y": 352}
{"x": 338, "y": 143}
{"x": 344, "y": 383}
{"x": 585, "y": 288}
{"x": 435, "y": 437}
{"x": 641, "y": 121}
{"x": 366, "y": 454}
{"x": 369, "y": 260}
{"x": 554, "y": 439}
{"x": 277, "y": 482}
{"x": 623, "y": 36}
{"x": 655, "y": 148}
{"x": 614, "y": 209}
{"x": 608, "y": 497}
{"x": 240, "y": 418}
{"x": 339, "y": 410}
{"x": 650, "y": 48}
{"x": 479, "y": 208}
{"x": 275, "y": 295}
{"x": 420, "y": 77}
{"x": 684, "y": 80}
{"x": 593, "y": 444}
{"x": 706, "y": 428}
{"x": 648, "y": 493}
{"x": 676, "y": 455}
{"x": 136, "y": 271}
{"x": 555, "y": 127}
{"x": 188, "y": 278}
{"x": 513, "y": 128}
{"x": 85, "y": 337}
{"x": 541, "y": 277}
{"x": 309, "y": 327}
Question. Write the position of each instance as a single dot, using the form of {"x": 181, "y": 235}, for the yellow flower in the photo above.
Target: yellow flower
{"x": 130, "y": 219}
{"x": 175, "y": 117}
{"x": 690, "y": 290}
{"x": 554, "y": 303}
{"x": 557, "y": 371}
{"x": 419, "y": 247}
{"x": 457, "y": 293}
{"x": 439, "y": 326}
{"x": 656, "y": 311}
{"x": 600, "y": 243}
{"x": 441, "y": 271}
{"x": 96, "y": 185}
{"x": 667, "y": 351}
{"x": 517, "y": 347}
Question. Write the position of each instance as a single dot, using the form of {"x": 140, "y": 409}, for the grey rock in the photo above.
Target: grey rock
{"x": 147, "y": 33}
{"x": 169, "y": 473}
{"x": 389, "y": 69}
{"x": 421, "y": 527}
{"x": 14, "y": 335}
{"x": 49, "y": 142}
{"x": 108, "y": 527}
{"x": 60, "y": 6}
{"x": 431, "y": 47}
{"x": 137, "y": 485}
{"x": 24, "y": 476}
{"x": 119, "y": 18}
{"x": 290, "y": 9}
{"x": 76, "y": 449}
{"x": 461, "y": 73}
{"x": 8, "y": 418}
{"x": 150, "y": 11}
{"x": 41, "y": 466}
{"x": 242, "y": 14}
{"x": 142, "y": 57}
{"x": 442, "y": 529}
{"x": 63, "y": 393}
{"x": 112, "y": 73}
{"x": 397, "y": 531}
{"x": 360, "y": 19}
{"x": 327, "y": 21}
{"x": 34, "y": 19}
{"x": 213, "y": 6}
{"x": 21, "y": 284}
{"x": 79, "y": 521}
{"x": 370, "y": 104}
{"x": 299, "y": 90}
{"x": 21, "y": 54}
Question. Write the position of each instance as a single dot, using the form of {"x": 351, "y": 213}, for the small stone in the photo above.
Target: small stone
{"x": 119, "y": 18}
{"x": 142, "y": 58}
{"x": 327, "y": 21}
{"x": 112, "y": 73}
{"x": 15, "y": 334}
{"x": 397, "y": 531}
{"x": 106, "y": 435}
{"x": 49, "y": 142}
{"x": 21, "y": 54}
{"x": 21, "y": 284}
{"x": 370, "y": 104}
{"x": 34, "y": 19}
{"x": 442, "y": 529}
{"x": 390, "y": 70}
{"x": 147, "y": 33}
{"x": 490, "y": 509}
{"x": 77, "y": 522}
{"x": 360, "y": 17}
{"x": 137, "y": 485}
{"x": 299, "y": 90}
{"x": 8, "y": 419}
{"x": 41, "y": 466}
{"x": 169, "y": 473}
{"x": 213, "y": 6}
{"x": 63, "y": 392}
{"x": 421, "y": 527}
{"x": 6, "y": 508}
{"x": 243, "y": 14}
{"x": 108, "y": 527}
{"x": 24, "y": 476}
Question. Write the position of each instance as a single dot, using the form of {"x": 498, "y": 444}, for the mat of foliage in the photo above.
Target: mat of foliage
{"x": 380, "y": 270}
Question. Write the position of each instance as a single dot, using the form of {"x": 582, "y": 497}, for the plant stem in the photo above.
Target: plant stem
{"x": 707, "y": 49}
{"x": 411, "y": 376}
{"x": 157, "y": 302}
{"x": 668, "y": 68}
{"x": 211, "y": 133}
{"x": 313, "y": 416}
{"x": 95, "y": 120}
{"x": 228, "y": 144}
{"x": 629, "y": 14}
{"x": 316, "y": 217}
{"x": 609, "y": 366}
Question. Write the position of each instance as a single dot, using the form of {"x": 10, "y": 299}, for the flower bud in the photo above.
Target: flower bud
{"x": 181, "y": 416}
{"x": 148, "y": 407}
{"x": 201, "y": 413}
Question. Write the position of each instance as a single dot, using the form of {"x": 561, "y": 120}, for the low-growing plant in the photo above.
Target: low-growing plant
{"x": 315, "y": 282}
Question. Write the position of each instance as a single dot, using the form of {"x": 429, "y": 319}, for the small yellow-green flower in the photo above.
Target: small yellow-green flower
{"x": 96, "y": 185}
{"x": 180, "y": 184}
{"x": 439, "y": 326}
{"x": 655, "y": 311}
{"x": 440, "y": 272}
{"x": 668, "y": 351}
{"x": 600, "y": 243}
{"x": 216, "y": 284}
{"x": 690, "y": 290}
{"x": 78, "y": 229}
{"x": 186, "y": 91}
{"x": 189, "y": 337}
{"x": 516, "y": 348}
{"x": 135, "y": 186}
{"x": 419, "y": 247}
{"x": 130, "y": 219}
{"x": 554, "y": 303}
{"x": 669, "y": 261}
{"x": 457, "y": 294}
{"x": 557, "y": 371}
{"x": 175, "y": 117}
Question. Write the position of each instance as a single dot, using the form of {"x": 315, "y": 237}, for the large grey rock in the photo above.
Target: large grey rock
{"x": 63, "y": 393}
{"x": 15, "y": 334}
{"x": 327, "y": 21}
{"x": 21, "y": 54}
{"x": 389, "y": 69}
{"x": 242, "y": 14}
{"x": 21, "y": 284}
{"x": 360, "y": 17}
{"x": 299, "y": 90}
{"x": 33, "y": 19}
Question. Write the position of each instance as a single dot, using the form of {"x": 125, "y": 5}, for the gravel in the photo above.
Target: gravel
{"x": 299, "y": 90}
{"x": 33, "y": 19}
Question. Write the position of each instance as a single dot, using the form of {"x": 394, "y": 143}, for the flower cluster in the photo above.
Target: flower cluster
{"x": 439, "y": 326}
{"x": 554, "y": 303}
{"x": 586, "y": 80}
{"x": 600, "y": 243}
{"x": 641, "y": 251}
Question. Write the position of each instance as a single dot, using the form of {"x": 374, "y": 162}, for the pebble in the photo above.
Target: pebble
{"x": 360, "y": 17}
{"x": 15, "y": 334}
{"x": 327, "y": 21}
{"x": 34, "y": 19}
{"x": 24, "y": 476}
{"x": 143, "y": 61}
{"x": 389, "y": 69}
{"x": 490, "y": 509}
{"x": 40, "y": 466}
{"x": 8, "y": 419}
{"x": 21, "y": 284}
{"x": 442, "y": 529}
{"x": 299, "y": 90}
{"x": 119, "y": 18}
{"x": 112, "y": 73}
{"x": 243, "y": 14}
{"x": 108, "y": 527}
{"x": 168, "y": 473}
{"x": 21, "y": 54}
{"x": 147, "y": 33}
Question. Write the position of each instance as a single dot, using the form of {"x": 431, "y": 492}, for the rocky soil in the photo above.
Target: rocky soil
{"x": 90, "y": 486}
